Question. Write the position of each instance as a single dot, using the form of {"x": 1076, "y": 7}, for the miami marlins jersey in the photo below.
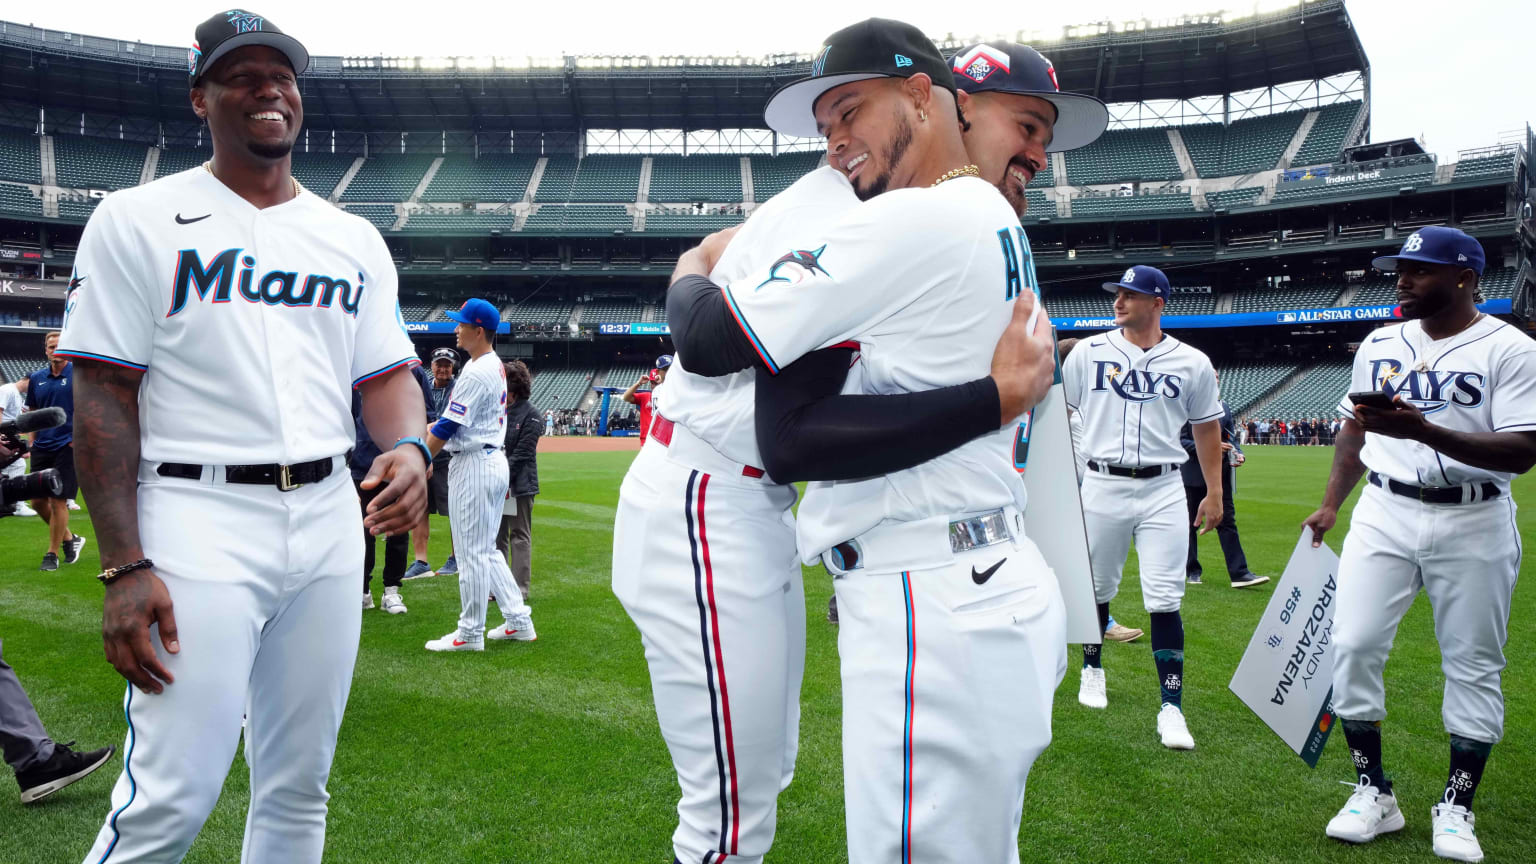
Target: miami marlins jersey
{"x": 251, "y": 325}
{"x": 478, "y": 404}
{"x": 927, "y": 307}
{"x": 1133, "y": 402}
{"x": 1482, "y": 379}
{"x": 720, "y": 410}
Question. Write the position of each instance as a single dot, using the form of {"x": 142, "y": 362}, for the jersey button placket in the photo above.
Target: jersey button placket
{"x": 272, "y": 331}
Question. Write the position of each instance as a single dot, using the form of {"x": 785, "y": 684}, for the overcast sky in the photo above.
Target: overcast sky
{"x": 1454, "y": 81}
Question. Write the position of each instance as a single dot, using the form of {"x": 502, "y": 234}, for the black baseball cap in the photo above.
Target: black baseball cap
{"x": 233, "y": 29}
{"x": 1008, "y": 67}
{"x": 446, "y": 354}
{"x": 875, "y": 48}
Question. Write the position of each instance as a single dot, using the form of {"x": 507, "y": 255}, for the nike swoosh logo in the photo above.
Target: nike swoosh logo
{"x": 1381, "y": 339}
{"x": 181, "y": 221}
{"x": 982, "y": 577}
{"x": 1095, "y": 344}
{"x": 457, "y": 643}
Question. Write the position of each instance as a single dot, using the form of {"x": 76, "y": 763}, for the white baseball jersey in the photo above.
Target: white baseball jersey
{"x": 12, "y": 403}
{"x": 720, "y": 410}
{"x": 927, "y": 308}
{"x": 1134, "y": 402}
{"x": 251, "y": 325}
{"x": 478, "y": 404}
{"x": 1482, "y": 379}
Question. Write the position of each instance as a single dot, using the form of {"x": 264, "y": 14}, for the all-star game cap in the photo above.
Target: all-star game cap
{"x": 236, "y": 28}
{"x": 1008, "y": 67}
{"x": 875, "y": 48}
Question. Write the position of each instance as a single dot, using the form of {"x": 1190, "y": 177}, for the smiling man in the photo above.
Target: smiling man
{"x": 1454, "y": 423}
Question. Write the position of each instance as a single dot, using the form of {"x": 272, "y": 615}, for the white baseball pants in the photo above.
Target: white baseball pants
{"x": 1151, "y": 511}
{"x": 265, "y": 591}
{"x": 477, "y": 490}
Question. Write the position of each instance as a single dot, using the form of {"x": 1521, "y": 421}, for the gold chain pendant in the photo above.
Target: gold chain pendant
{"x": 962, "y": 171}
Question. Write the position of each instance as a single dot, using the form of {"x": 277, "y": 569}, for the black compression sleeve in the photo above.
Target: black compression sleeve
{"x": 806, "y": 430}
{"x": 704, "y": 332}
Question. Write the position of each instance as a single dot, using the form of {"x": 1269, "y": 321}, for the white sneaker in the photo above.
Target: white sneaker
{"x": 72, "y": 504}
{"x": 452, "y": 642}
{"x": 23, "y": 510}
{"x": 392, "y": 602}
{"x": 1366, "y": 814}
{"x": 1453, "y": 835}
{"x": 1172, "y": 728}
{"x": 517, "y": 631}
{"x": 1091, "y": 690}
{"x": 367, "y": 599}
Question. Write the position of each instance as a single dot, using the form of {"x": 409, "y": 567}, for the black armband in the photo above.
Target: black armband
{"x": 704, "y": 331}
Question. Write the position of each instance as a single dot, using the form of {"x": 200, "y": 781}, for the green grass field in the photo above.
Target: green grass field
{"x": 549, "y": 751}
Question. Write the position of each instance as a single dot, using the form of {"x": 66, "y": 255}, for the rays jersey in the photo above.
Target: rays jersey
{"x": 720, "y": 410}
{"x": 1133, "y": 402}
{"x": 927, "y": 308}
{"x": 478, "y": 404}
{"x": 251, "y": 326}
{"x": 1482, "y": 379}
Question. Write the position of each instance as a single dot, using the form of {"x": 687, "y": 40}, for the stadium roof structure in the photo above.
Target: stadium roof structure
{"x": 1120, "y": 62}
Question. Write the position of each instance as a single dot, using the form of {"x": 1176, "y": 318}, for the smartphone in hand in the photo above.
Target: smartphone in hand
{"x": 1375, "y": 399}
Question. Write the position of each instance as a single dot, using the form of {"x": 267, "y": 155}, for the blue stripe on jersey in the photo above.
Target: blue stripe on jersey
{"x": 133, "y": 786}
{"x": 101, "y": 358}
{"x": 399, "y": 364}
{"x": 757, "y": 344}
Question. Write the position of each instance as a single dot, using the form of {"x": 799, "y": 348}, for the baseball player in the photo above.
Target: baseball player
{"x": 936, "y": 549}
{"x": 444, "y": 361}
{"x": 220, "y": 318}
{"x": 635, "y": 396}
{"x": 1440, "y": 417}
{"x": 1134, "y": 387}
{"x": 473, "y": 428}
{"x": 12, "y": 404}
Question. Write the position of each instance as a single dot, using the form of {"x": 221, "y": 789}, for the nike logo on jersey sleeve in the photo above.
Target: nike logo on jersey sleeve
{"x": 181, "y": 221}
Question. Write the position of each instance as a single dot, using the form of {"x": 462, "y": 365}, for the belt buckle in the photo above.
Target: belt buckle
{"x": 285, "y": 479}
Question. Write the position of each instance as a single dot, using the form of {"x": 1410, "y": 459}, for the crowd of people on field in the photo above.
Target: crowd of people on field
{"x": 1303, "y": 432}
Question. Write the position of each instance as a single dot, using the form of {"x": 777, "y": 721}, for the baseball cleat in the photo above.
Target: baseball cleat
{"x": 1120, "y": 633}
{"x": 452, "y": 642}
{"x": 449, "y": 568}
{"x": 367, "y": 600}
{"x": 1172, "y": 728}
{"x": 1193, "y": 579}
{"x": 418, "y": 570}
{"x": 1091, "y": 692}
{"x": 1453, "y": 834}
{"x": 517, "y": 631}
{"x": 72, "y": 504}
{"x": 50, "y": 561}
{"x": 72, "y": 548}
{"x": 1366, "y": 814}
{"x": 63, "y": 768}
{"x": 1248, "y": 580}
{"x": 392, "y": 602}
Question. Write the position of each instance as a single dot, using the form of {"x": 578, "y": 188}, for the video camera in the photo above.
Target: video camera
{"x": 40, "y": 484}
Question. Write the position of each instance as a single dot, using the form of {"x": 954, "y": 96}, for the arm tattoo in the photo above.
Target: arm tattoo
{"x": 106, "y": 426}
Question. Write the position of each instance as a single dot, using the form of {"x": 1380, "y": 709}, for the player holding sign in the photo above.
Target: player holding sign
{"x": 1442, "y": 414}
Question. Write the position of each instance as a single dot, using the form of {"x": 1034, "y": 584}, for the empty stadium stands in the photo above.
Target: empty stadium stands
{"x": 1301, "y": 296}
{"x": 1421, "y": 175}
{"x": 16, "y": 366}
{"x": 320, "y": 172}
{"x": 1242, "y": 147}
{"x": 1231, "y": 199}
{"x": 1326, "y": 137}
{"x": 612, "y": 310}
{"x": 1314, "y": 394}
{"x": 1190, "y": 303}
{"x": 695, "y": 178}
{"x": 19, "y": 158}
{"x": 77, "y": 208}
{"x": 175, "y": 160}
{"x": 381, "y": 215}
{"x": 1124, "y": 154}
{"x": 388, "y": 177}
{"x": 19, "y": 200}
{"x": 1500, "y": 166}
{"x": 492, "y": 177}
{"x": 579, "y": 217}
{"x": 773, "y": 174}
{"x": 1131, "y": 205}
{"x": 417, "y": 308}
{"x": 538, "y": 311}
{"x": 555, "y": 389}
{"x": 555, "y": 184}
{"x": 690, "y": 223}
{"x": 98, "y": 163}
{"x": 1243, "y": 383}
{"x": 1040, "y": 206}
{"x": 1498, "y": 284}
{"x": 462, "y": 221}
{"x": 606, "y": 178}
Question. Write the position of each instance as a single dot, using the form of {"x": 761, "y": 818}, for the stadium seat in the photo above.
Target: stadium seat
{"x": 1124, "y": 154}
{"x": 19, "y": 200}
{"x": 612, "y": 310}
{"x": 1244, "y": 382}
{"x": 19, "y": 159}
{"x": 1314, "y": 394}
{"x": 773, "y": 174}
{"x": 1242, "y": 147}
{"x": 388, "y": 177}
{"x": 416, "y": 309}
{"x": 460, "y": 221}
{"x": 607, "y": 178}
{"x": 1499, "y": 166}
{"x": 1326, "y": 138}
{"x": 494, "y": 177}
{"x": 689, "y": 223}
{"x": 555, "y": 389}
{"x": 77, "y": 208}
{"x": 381, "y": 215}
{"x": 1040, "y": 206}
{"x": 320, "y": 172}
{"x": 1131, "y": 205}
{"x": 1184, "y": 302}
{"x": 577, "y": 217}
{"x": 174, "y": 160}
{"x": 695, "y": 178}
{"x": 555, "y": 185}
{"x": 98, "y": 163}
{"x": 1231, "y": 199}
{"x": 1292, "y": 296}
{"x": 538, "y": 312}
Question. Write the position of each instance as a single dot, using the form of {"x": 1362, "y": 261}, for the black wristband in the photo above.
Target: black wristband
{"x": 107, "y": 577}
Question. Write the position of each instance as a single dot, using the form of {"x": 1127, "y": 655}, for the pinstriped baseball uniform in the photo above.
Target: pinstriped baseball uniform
{"x": 477, "y": 489}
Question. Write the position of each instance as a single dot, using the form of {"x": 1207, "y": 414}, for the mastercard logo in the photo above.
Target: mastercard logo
{"x": 1397, "y": 311}
{"x": 1325, "y": 722}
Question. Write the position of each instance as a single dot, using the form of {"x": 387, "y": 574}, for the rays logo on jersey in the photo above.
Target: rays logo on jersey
{"x": 275, "y": 288}
{"x": 1431, "y": 390}
{"x": 794, "y": 266}
{"x": 1135, "y": 385}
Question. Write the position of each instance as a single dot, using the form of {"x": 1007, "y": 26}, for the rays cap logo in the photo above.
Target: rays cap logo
{"x": 237, "y": 28}
{"x": 1008, "y": 67}
{"x": 1437, "y": 244}
{"x": 873, "y": 48}
{"x": 1143, "y": 280}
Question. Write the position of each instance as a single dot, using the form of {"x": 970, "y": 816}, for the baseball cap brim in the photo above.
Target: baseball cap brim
{"x": 1116, "y": 286}
{"x": 1388, "y": 263}
{"x": 455, "y": 315}
{"x": 297, "y": 56}
{"x": 791, "y": 109}
{"x": 1080, "y": 120}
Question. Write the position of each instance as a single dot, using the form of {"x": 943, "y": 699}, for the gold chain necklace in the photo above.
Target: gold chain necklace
{"x": 208, "y": 166}
{"x": 962, "y": 171}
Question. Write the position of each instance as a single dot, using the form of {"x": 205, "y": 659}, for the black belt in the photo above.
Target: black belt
{"x": 1437, "y": 494}
{"x": 285, "y": 477}
{"x": 1139, "y": 473}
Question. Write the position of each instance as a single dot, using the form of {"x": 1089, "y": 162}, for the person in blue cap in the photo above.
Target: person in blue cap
{"x": 1440, "y": 417}
{"x": 473, "y": 428}
{"x": 1135, "y": 388}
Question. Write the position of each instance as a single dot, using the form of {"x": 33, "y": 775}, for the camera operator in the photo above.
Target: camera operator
{"x": 12, "y": 403}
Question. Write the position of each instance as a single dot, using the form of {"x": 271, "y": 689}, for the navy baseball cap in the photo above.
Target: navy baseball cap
{"x": 1143, "y": 280}
{"x": 874, "y": 48}
{"x": 1008, "y": 67}
{"x": 477, "y": 312}
{"x": 227, "y": 31}
{"x": 1437, "y": 245}
{"x": 663, "y": 361}
{"x": 448, "y": 354}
